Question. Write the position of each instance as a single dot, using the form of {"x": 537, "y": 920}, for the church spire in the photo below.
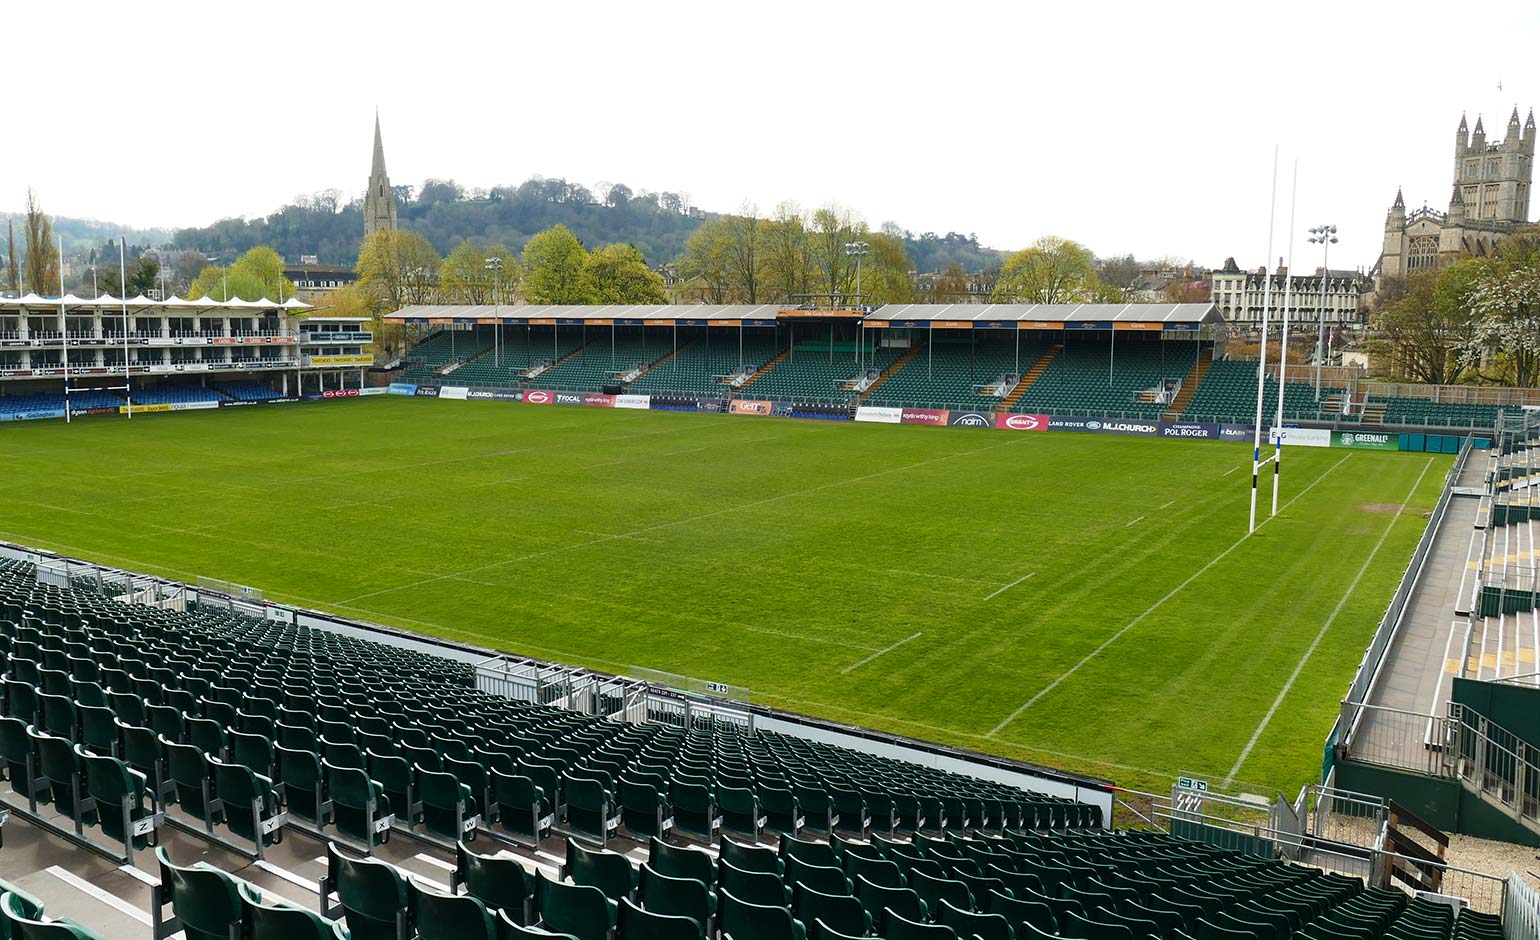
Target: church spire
{"x": 1400, "y": 202}
{"x": 380, "y": 199}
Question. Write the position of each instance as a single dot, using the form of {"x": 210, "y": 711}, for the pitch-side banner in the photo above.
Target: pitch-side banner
{"x": 569, "y": 398}
{"x": 1191, "y": 430}
{"x": 494, "y": 394}
{"x": 373, "y": 390}
{"x": 970, "y": 419}
{"x": 1367, "y": 440}
{"x": 1016, "y": 422}
{"x": 749, "y": 406}
{"x": 402, "y": 388}
{"x": 639, "y": 402}
{"x": 934, "y": 417}
{"x": 597, "y": 400}
{"x": 1237, "y": 432}
{"x": 536, "y": 396}
{"x": 1301, "y": 437}
{"x": 456, "y": 392}
{"x": 879, "y": 415}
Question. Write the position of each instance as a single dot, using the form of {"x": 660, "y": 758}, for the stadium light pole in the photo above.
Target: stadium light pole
{"x": 1325, "y": 236}
{"x": 857, "y": 250}
{"x": 495, "y": 265}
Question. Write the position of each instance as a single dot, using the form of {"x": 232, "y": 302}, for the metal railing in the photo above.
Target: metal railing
{"x": 1521, "y": 910}
{"x": 1495, "y": 763}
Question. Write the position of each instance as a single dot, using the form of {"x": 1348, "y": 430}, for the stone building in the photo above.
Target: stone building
{"x": 1237, "y": 295}
{"x": 379, "y": 200}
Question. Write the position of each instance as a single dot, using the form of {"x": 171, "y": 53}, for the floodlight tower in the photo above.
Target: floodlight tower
{"x": 857, "y": 250}
{"x": 1325, "y": 236}
{"x": 495, "y": 265}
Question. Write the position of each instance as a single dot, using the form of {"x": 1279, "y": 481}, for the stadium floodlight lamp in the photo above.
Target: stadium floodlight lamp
{"x": 1325, "y": 236}
{"x": 857, "y": 249}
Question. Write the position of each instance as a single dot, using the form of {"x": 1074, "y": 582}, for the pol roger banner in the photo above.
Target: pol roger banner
{"x": 879, "y": 415}
{"x": 1192, "y": 430}
{"x": 1022, "y": 422}
{"x": 639, "y": 402}
{"x": 1300, "y": 437}
{"x": 1367, "y": 440}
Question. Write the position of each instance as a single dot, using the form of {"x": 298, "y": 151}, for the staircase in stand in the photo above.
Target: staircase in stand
{"x": 654, "y": 365}
{"x": 1372, "y": 414}
{"x": 888, "y": 372}
{"x": 1189, "y": 386}
{"x": 780, "y": 357}
{"x": 1026, "y": 381}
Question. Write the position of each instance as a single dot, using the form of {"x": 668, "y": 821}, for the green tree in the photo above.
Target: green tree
{"x": 143, "y": 272}
{"x": 555, "y": 265}
{"x": 1504, "y": 300}
{"x": 42, "y": 264}
{"x": 12, "y": 269}
{"x": 887, "y": 274}
{"x": 397, "y": 267}
{"x": 788, "y": 260}
{"x": 465, "y": 278}
{"x": 1419, "y": 334}
{"x": 617, "y": 274}
{"x": 705, "y": 268}
{"x": 833, "y": 227}
{"x": 745, "y": 261}
{"x": 255, "y": 275}
{"x": 1052, "y": 271}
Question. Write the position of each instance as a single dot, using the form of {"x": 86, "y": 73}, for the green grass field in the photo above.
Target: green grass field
{"x": 1082, "y": 601}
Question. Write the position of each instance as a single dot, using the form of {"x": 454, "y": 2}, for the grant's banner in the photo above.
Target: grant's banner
{"x": 1018, "y": 422}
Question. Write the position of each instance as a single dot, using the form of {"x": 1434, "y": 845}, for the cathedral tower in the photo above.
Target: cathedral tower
{"x": 379, "y": 201}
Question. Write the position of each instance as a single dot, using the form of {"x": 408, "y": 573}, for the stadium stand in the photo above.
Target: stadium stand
{"x": 1422, "y": 411}
{"x": 1228, "y": 392}
{"x": 698, "y": 368}
{"x": 174, "y": 395}
{"x": 247, "y": 391}
{"x": 817, "y": 371}
{"x": 1078, "y": 381}
{"x": 950, "y": 373}
{"x": 18, "y": 404}
{"x": 442, "y": 348}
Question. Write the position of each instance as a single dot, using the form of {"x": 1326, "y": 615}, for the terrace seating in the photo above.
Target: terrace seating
{"x": 175, "y": 395}
{"x": 507, "y": 354}
{"x": 1228, "y": 392}
{"x": 1425, "y": 412}
{"x": 697, "y": 368}
{"x": 247, "y": 391}
{"x": 440, "y": 349}
{"x": 1106, "y": 381}
{"x": 816, "y": 371}
{"x": 949, "y": 373}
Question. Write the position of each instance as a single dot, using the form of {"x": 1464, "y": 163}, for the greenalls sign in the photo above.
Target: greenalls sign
{"x": 1367, "y": 440}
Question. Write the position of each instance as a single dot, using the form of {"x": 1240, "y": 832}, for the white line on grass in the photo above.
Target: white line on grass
{"x": 1006, "y": 587}
{"x": 806, "y": 639}
{"x": 944, "y": 577}
{"x": 1167, "y": 505}
{"x": 677, "y": 522}
{"x": 1321, "y": 634}
{"x": 885, "y": 649}
{"x": 1230, "y": 471}
{"x": 1133, "y": 522}
{"x": 1152, "y": 608}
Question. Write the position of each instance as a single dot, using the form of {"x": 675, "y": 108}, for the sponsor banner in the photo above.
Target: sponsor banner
{"x": 141, "y": 409}
{"x": 749, "y": 406}
{"x": 373, "y": 390}
{"x": 932, "y": 416}
{"x": 1302, "y": 437}
{"x": 970, "y": 419}
{"x": 1367, "y": 440}
{"x": 194, "y": 405}
{"x": 1022, "y": 422}
{"x": 1237, "y": 432}
{"x": 363, "y": 360}
{"x": 1120, "y": 426}
{"x": 879, "y": 415}
{"x": 427, "y": 391}
{"x": 1073, "y": 424}
{"x": 342, "y": 393}
{"x": 595, "y": 400}
{"x": 456, "y": 392}
{"x": 537, "y": 397}
{"x": 493, "y": 394}
{"x": 1194, "y": 430}
{"x": 568, "y": 398}
{"x": 640, "y": 402}
{"x": 401, "y": 388}
{"x": 313, "y": 396}
{"x": 32, "y": 415}
{"x": 96, "y": 411}
{"x": 264, "y": 401}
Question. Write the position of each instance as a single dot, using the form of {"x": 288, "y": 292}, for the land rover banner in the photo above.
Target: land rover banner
{"x": 1367, "y": 440}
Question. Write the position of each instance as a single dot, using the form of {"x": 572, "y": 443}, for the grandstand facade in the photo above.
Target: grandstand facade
{"x": 1145, "y": 363}
{"x": 107, "y": 355}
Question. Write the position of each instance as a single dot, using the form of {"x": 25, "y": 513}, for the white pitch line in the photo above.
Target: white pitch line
{"x": 1002, "y": 589}
{"x": 1321, "y": 634}
{"x": 1167, "y": 505}
{"x": 1229, "y": 471}
{"x": 1152, "y": 608}
{"x": 887, "y": 649}
{"x": 87, "y": 888}
{"x": 944, "y": 577}
{"x": 1132, "y": 522}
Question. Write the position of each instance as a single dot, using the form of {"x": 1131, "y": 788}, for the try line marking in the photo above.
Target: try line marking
{"x": 1133, "y": 521}
{"x": 1152, "y": 608}
{"x": 1321, "y": 634}
{"x": 1004, "y": 588}
{"x": 886, "y": 649}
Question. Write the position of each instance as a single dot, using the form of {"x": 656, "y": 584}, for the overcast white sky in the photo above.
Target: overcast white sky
{"x": 1133, "y": 127}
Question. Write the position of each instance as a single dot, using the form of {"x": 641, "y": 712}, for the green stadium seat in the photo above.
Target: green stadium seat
{"x": 752, "y": 858}
{"x": 895, "y": 926}
{"x": 876, "y": 899}
{"x": 825, "y": 878}
{"x": 841, "y": 912}
{"x": 682, "y": 897}
{"x": 681, "y": 862}
{"x": 638, "y": 924}
{"x": 13, "y": 914}
{"x": 580, "y": 910}
{"x": 205, "y": 902}
{"x": 610, "y": 872}
{"x": 745, "y": 920}
{"x": 502, "y": 884}
{"x": 281, "y": 921}
{"x": 523, "y": 808}
{"x": 933, "y": 891}
{"x": 373, "y": 896}
{"x": 360, "y": 807}
{"x": 451, "y": 917}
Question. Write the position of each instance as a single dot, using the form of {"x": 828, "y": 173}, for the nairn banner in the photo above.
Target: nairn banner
{"x": 932, "y": 416}
{"x": 970, "y": 419}
{"x": 1022, "y": 422}
{"x": 456, "y": 392}
{"x": 879, "y": 415}
{"x": 1367, "y": 440}
{"x": 1302, "y": 437}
